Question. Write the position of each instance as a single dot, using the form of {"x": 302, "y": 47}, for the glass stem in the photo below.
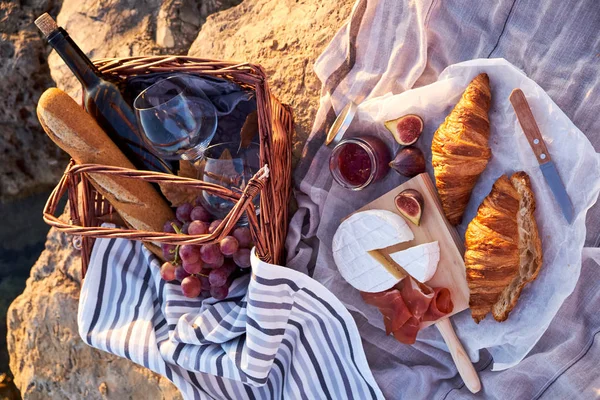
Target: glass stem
{"x": 195, "y": 154}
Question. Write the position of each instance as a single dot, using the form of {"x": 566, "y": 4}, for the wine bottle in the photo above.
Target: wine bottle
{"x": 102, "y": 99}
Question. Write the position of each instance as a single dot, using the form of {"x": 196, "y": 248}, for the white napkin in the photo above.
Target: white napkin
{"x": 575, "y": 159}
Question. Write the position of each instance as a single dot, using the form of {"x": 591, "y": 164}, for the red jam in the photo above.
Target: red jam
{"x": 354, "y": 164}
{"x": 357, "y": 162}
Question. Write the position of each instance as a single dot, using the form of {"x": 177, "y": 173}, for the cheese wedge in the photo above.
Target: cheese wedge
{"x": 419, "y": 261}
{"x": 363, "y": 232}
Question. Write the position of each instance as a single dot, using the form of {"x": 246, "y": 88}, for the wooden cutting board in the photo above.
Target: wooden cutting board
{"x": 451, "y": 268}
{"x": 434, "y": 226}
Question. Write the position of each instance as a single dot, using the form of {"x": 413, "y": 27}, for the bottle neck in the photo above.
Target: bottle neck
{"x": 76, "y": 60}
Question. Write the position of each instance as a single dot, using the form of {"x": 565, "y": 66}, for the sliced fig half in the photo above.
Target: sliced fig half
{"x": 407, "y": 129}
{"x": 410, "y": 204}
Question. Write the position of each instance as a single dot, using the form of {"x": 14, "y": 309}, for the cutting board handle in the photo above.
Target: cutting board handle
{"x": 459, "y": 355}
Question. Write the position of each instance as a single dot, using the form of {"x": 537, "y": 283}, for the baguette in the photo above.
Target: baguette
{"x": 77, "y": 133}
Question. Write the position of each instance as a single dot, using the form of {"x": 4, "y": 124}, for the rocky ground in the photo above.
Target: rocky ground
{"x": 285, "y": 37}
{"x": 30, "y": 161}
{"x": 22, "y": 240}
{"x": 47, "y": 357}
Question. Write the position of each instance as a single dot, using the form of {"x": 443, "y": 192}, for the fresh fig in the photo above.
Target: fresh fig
{"x": 410, "y": 204}
{"x": 409, "y": 162}
{"x": 407, "y": 129}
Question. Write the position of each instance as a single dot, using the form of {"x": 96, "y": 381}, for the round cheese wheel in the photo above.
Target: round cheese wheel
{"x": 363, "y": 232}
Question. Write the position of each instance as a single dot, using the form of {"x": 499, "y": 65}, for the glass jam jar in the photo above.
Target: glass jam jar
{"x": 357, "y": 162}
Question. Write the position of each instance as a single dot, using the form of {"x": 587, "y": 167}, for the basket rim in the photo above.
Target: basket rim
{"x": 243, "y": 203}
{"x": 141, "y": 64}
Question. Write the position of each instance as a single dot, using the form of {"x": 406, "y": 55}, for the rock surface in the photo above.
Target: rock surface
{"x": 122, "y": 28}
{"x": 30, "y": 161}
{"x": 285, "y": 37}
{"x": 22, "y": 239}
{"x": 48, "y": 358}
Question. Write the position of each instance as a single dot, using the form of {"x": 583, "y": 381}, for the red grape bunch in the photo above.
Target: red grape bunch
{"x": 208, "y": 269}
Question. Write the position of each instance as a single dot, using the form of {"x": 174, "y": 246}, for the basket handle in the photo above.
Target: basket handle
{"x": 79, "y": 171}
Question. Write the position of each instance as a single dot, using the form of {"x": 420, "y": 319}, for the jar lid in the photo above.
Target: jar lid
{"x": 341, "y": 124}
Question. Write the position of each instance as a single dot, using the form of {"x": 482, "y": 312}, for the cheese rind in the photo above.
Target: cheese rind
{"x": 419, "y": 261}
{"x": 362, "y": 232}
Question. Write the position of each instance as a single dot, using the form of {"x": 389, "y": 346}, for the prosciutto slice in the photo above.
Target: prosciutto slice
{"x": 408, "y": 333}
{"x": 416, "y": 296}
{"x": 408, "y": 304}
{"x": 440, "y": 305}
{"x": 392, "y": 306}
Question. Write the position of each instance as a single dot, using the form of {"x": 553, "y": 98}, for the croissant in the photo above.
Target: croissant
{"x": 460, "y": 150}
{"x": 503, "y": 248}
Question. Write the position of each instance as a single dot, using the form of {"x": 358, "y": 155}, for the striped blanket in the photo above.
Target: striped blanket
{"x": 279, "y": 334}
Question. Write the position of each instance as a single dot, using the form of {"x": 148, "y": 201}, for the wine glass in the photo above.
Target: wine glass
{"x": 231, "y": 166}
{"x": 176, "y": 118}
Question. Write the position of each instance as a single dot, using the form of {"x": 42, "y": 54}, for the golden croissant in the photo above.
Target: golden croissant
{"x": 503, "y": 248}
{"x": 460, "y": 150}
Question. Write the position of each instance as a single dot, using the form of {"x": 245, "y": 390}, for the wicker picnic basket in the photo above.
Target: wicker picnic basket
{"x": 88, "y": 209}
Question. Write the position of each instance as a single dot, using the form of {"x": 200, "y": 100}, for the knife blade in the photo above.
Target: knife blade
{"x": 534, "y": 137}
{"x": 553, "y": 179}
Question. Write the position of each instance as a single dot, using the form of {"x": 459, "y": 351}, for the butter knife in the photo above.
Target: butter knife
{"x": 534, "y": 137}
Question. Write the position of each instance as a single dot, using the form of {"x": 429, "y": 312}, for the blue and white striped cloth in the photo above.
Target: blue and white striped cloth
{"x": 279, "y": 334}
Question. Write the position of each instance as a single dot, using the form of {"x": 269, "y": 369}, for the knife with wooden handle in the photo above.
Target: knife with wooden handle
{"x": 534, "y": 137}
